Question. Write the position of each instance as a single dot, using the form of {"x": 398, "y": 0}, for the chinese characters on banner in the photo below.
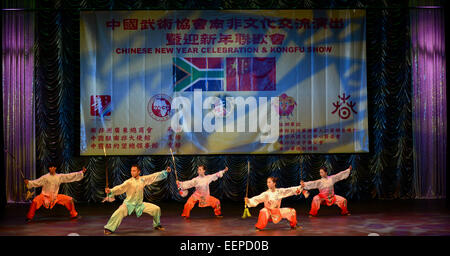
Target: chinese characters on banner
{"x": 234, "y": 81}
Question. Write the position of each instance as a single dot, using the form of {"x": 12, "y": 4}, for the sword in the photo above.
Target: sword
{"x": 246, "y": 211}
{"x": 107, "y": 198}
{"x": 183, "y": 193}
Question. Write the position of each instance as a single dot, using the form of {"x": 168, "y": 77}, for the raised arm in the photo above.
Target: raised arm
{"x": 36, "y": 183}
{"x": 188, "y": 184}
{"x": 119, "y": 189}
{"x": 157, "y": 176}
{"x": 286, "y": 192}
{"x": 311, "y": 185}
{"x": 215, "y": 176}
{"x": 71, "y": 177}
{"x": 254, "y": 201}
{"x": 341, "y": 175}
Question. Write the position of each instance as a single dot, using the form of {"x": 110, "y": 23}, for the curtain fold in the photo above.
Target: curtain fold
{"x": 18, "y": 101}
{"x": 429, "y": 103}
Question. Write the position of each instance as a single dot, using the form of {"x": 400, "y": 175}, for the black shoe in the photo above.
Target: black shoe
{"x": 107, "y": 232}
{"x": 27, "y": 220}
{"x": 159, "y": 227}
{"x": 257, "y": 229}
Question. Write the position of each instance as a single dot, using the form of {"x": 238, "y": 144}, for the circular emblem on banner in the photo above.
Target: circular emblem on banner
{"x": 159, "y": 107}
{"x": 287, "y": 105}
{"x": 220, "y": 106}
{"x": 344, "y": 113}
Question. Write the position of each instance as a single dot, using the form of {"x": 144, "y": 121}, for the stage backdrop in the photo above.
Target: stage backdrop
{"x": 385, "y": 172}
{"x": 211, "y": 82}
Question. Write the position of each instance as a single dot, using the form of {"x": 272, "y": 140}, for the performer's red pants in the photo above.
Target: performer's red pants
{"x": 340, "y": 201}
{"x": 211, "y": 201}
{"x": 40, "y": 200}
{"x": 286, "y": 213}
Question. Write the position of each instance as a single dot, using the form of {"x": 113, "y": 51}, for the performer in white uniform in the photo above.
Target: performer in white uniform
{"x": 50, "y": 186}
{"x": 272, "y": 201}
{"x": 326, "y": 191}
{"x": 201, "y": 194}
{"x": 134, "y": 188}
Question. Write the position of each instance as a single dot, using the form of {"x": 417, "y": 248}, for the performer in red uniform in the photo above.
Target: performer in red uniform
{"x": 50, "y": 186}
{"x": 326, "y": 194}
{"x": 272, "y": 201}
{"x": 201, "y": 194}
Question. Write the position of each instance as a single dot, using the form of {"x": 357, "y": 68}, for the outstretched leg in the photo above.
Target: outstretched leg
{"x": 263, "y": 218}
{"x": 116, "y": 218}
{"x": 36, "y": 204}
{"x": 215, "y": 203}
{"x": 315, "y": 205}
{"x": 67, "y": 202}
{"x": 289, "y": 214}
{"x": 341, "y": 202}
{"x": 154, "y": 211}
{"x": 188, "y": 207}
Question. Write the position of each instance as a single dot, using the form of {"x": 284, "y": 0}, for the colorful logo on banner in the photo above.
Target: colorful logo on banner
{"x": 287, "y": 105}
{"x": 221, "y": 109}
{"x": 101, "y": 105}
{"x": 159, "y": 107}
{"x": 344, "y": 110}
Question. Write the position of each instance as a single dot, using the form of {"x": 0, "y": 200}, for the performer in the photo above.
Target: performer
{"x": 50, "y": 186}
{"x": 134, "y": 188}
{"x": 272, "y": 201}
{"x": 201, "y": 194}
{"x": 326, "y": 191}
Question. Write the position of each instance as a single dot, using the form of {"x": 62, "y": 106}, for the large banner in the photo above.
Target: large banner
{"x": 212, "y": 82}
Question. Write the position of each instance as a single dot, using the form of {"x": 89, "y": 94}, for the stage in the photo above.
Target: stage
{"x": 383, "y": 217}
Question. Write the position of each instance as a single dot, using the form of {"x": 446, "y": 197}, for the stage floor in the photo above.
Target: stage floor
{"x": 386, "y": 218}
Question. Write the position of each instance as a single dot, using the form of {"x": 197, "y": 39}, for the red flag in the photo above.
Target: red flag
{"x": 251, "y": 74}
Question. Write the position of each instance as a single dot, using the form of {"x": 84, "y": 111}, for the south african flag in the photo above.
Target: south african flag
{"x": 206, "y": 74}
{"x": 224, "y": 74}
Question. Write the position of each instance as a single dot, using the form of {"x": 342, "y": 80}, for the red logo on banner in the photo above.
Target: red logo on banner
{"x": 159, "y": 107}
{"x": 251, "y": 74}
{"x": 101, "y": 105}
{"x": 344, "y": 110}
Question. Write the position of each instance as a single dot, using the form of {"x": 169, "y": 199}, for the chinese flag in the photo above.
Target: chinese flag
{"x": 251, "y": 74}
